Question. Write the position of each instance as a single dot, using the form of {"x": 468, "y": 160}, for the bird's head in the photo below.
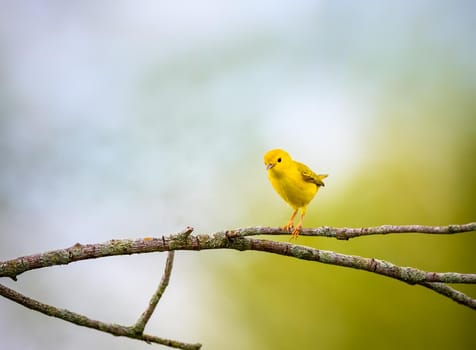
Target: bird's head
{"x": 276, "y": 159}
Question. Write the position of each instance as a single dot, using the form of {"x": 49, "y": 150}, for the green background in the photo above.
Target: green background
{"x": 132, "y": 119}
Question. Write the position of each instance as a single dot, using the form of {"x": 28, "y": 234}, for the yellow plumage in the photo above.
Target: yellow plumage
{"x": 294, "y": 182}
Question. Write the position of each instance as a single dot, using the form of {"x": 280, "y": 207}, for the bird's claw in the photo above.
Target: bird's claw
{"x": 296, "y": 232}
{"x": 289, "y": 227}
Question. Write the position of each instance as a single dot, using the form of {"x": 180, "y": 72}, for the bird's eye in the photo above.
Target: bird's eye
{"x": 279, "y": 160}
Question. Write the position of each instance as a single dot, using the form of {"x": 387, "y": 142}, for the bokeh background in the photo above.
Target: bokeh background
{"x": 123, "y": 119}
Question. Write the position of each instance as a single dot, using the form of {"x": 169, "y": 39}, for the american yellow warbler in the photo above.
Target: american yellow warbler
{"x": 294, "y": 182}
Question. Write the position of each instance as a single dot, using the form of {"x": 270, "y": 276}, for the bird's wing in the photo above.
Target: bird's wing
{"x": 310, "y": 176}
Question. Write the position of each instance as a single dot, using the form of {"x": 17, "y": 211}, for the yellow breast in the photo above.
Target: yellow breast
{"x": 292, "y": 188}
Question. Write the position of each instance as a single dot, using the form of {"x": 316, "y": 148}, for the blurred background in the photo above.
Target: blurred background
{"x": 124, "y": 119}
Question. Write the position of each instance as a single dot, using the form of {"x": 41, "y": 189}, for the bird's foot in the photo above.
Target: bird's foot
{"x": 289, "y": 226}
{"x": 296, "y": 232}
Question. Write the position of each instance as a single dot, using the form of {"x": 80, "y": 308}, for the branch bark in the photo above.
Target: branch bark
{"x": 345, "y": 233}
{"x": 237, "y": 239}
{"x": 134, "y": 332}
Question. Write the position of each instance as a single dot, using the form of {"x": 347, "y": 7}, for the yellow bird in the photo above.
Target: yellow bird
{"x": 294, "y": 182}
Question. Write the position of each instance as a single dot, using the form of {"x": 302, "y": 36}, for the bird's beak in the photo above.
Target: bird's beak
{"x": 269, "y": 166}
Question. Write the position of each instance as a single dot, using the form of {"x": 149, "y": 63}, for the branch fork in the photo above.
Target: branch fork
{"x": 237, "y": 239}
{"x": 135, "y": 332}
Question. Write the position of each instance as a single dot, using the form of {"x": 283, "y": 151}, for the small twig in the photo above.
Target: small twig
{"x": 145, "y": 317}
{"x": 84, "y": 321}
{"x": 451, "y": 293}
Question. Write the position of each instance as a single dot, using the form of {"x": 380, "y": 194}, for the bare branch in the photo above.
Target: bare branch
{"x": 345, "y": 233}
{"x": 224, "y": 240}
{"x": 77, "y": 252}
{"x": 237, "y": 239}
{"x": 406, "y": 274}
{"x": 145, "y": 317}
{"x": 451, "y": 293}
{"x": 84, "y": 321}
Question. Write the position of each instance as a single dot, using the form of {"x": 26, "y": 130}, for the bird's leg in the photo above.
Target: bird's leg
{"x": 290, "y": 225}
{"x": 298, "y": 228}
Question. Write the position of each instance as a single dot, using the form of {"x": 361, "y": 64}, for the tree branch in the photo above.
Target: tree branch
{"x": 451, "y": 293}
{"x": 345, "y": 233}
{"x": 237, "y": 239}
{"x": 146, "y": 315}
{"x": 81, "y": 320}
{"x": 234, "y": 239}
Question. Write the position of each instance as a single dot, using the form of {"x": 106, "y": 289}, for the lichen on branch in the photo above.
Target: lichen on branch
{"x": 237, "y": 239}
